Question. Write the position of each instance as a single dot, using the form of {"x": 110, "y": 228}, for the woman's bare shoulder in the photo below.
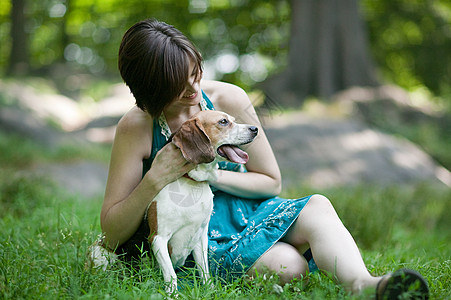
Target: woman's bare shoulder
{"x": 220, "y": 88}
{"x": 135, "y": 120}
{"x": 226, "y": 96}
{"x": 134, "y": 129}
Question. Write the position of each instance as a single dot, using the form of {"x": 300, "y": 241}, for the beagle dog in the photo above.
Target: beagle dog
{"x": 179, "y": 215}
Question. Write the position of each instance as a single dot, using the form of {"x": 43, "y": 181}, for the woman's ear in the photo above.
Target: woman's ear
{"x": 194, "y": 143}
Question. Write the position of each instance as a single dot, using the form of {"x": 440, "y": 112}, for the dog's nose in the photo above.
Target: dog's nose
{"x": 253, "y": 130}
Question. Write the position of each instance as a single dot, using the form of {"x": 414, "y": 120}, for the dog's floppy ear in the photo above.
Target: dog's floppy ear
{"x": 194, "y": 143}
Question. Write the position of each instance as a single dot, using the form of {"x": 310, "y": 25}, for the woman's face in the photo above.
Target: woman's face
{"x": 191, "y": 94}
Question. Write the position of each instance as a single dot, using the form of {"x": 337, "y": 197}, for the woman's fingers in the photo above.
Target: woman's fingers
{"x": 170, "y": 164}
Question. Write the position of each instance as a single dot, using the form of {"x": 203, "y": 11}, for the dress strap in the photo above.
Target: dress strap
{"x": 205, "y": 103}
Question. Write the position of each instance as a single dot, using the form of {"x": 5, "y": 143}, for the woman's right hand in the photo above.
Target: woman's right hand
{"x": 169, "y": 165}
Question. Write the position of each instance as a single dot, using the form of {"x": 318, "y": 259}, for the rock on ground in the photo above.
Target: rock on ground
{"x": 324, "y": 153}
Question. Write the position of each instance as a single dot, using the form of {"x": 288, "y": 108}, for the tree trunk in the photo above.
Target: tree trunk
{"x": 65, "y": 40}
{"x": 19, "y": 59}
{"x": 328, "y": 52}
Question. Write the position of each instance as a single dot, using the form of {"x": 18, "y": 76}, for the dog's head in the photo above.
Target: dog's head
{"x": 213, "y": 134}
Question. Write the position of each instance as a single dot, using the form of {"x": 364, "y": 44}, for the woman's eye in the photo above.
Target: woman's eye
{"x": 223, "y": 122}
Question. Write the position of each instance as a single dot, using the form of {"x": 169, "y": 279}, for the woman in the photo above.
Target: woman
{"x": 251, "y": 229}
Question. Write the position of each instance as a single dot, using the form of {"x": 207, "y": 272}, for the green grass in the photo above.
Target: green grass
{"x": 46, "y": 232}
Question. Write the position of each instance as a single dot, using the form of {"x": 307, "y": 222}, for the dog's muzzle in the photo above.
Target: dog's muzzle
{"x": 231, "y": 152}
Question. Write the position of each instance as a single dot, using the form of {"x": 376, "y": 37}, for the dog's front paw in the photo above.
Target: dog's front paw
{"x": 171, "y": 289}
{"x": 99, "y": 257}
{"x": 198, "y": 175}
{"x": 204, "y": 172}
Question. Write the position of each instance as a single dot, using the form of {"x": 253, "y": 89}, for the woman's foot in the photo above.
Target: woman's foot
{"x": 402, "y": 284}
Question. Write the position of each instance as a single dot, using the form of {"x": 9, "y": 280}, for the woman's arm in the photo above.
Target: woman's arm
{"x": 263, "y": 178}
{"x": 127, "y": 194}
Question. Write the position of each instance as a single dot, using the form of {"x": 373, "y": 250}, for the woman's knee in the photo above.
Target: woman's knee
{"x": 318, "y": 209}
{"x": 319, "y": 202}
{"x": 284, "y": 260}
{"x": 314, "y": 217}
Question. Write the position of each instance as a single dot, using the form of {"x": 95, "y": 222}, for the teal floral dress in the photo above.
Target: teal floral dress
{"x": 240, "y": 230}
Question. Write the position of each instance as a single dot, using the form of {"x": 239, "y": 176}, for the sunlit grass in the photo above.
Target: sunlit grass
{"x": 45, "y": 234}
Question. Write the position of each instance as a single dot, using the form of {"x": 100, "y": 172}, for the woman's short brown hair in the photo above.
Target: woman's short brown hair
{"x": 154, "y": 60}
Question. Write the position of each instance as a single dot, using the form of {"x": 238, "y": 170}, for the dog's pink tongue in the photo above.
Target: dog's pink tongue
{"x": 234, "y": 154}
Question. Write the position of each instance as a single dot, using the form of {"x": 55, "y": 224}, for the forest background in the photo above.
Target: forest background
{"x": 242, "y": 41}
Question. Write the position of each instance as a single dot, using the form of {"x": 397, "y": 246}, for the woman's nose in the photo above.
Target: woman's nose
{"x": 191, "y": 87}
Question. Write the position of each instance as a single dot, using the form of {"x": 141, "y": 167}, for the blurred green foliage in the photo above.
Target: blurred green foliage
{"x": 242, "y": 41}
{"x": 411, "y": 42}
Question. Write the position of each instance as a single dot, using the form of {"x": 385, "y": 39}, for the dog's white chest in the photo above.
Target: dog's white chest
{"x": 186, "y": 193}
{"x": 183, "y": 212}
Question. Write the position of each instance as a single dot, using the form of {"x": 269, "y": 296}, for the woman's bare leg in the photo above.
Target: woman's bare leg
{"x": 333, "y": 248}
{"x": 284, "y": 260}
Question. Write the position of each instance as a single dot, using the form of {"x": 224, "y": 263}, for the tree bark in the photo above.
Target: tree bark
{"x": 65, "y": 39}
{"x": 19, "y": 59}
{"x": 328, "y": 52}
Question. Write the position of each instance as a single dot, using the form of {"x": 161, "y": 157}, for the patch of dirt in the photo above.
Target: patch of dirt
{"x": 86, "y": 179}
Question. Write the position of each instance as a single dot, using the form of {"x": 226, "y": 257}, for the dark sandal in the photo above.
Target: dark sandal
{"x": 402, "y": 284}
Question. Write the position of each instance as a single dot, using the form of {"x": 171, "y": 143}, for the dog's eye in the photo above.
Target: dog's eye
{"x": 223, "y": 122}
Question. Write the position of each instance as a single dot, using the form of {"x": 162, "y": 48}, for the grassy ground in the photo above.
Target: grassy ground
{"x": 45, "y": 234}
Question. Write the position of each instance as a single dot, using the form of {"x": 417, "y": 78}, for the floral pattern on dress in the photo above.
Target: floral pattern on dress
{"x": 265, "y": 225}
{"x": 215, "y": 233}
{"x": 165, "y": 130}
